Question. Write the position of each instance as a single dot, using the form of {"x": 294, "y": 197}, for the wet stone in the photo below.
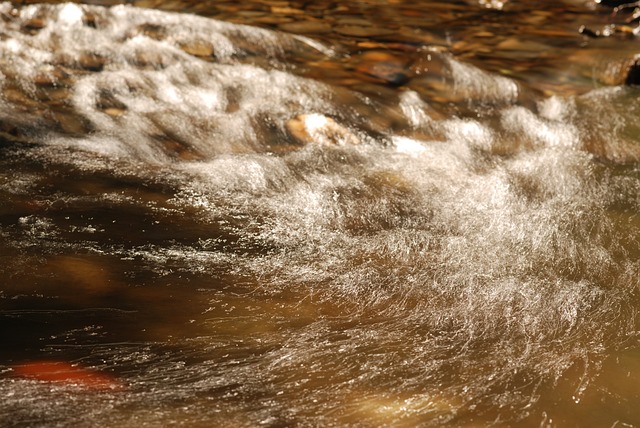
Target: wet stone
{"x": 199, "y": 49}
{"x": 359, "y": 22}
{"x": 178, "y": 150}
{"x": 90, "y": 21}
{"x": 633, "y": 73}
{"x": 484, "y": 34}
{"x": 70, "y": 122}
{"x": 522, "y": 46}
{"x": 18, "y": 97}
{"x": 55, "y": 95}
{"x": 153, "y": 31}
{"x": 87, "y": 274}
{"x": 10, "y": 132}
{"x": 386, "y": 67}
{"x": 279, "y": 10}
{"x": 34, "y": 24}
{"x": 617, "y": 151}
{"x": 392, "y": 46}
{"x": 50, "y": 78}
{"x": 273, "y": 20}
{"x": 306, "y": 27}
{"x": 625, "y": 29}
{"x": 114, "y": 112}
{"x": 65, "y": 373}
{"x": 361, "y": 31}
{"x": 150, "y": 60}
{"x": 92, "y": 62}
{"x": 613, "y": 71}
{"x": 250, "y": 14}
{"x": 315, "y": 9}
{"x": 107, "y": 101}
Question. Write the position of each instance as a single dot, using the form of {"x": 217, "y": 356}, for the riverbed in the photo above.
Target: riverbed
{"x": 285, "y": 213}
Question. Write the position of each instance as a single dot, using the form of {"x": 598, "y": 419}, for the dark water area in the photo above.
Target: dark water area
{"x": 286, "y": 213}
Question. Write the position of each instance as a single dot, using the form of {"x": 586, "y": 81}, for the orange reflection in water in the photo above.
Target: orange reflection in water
{"x": 66, "y": 373}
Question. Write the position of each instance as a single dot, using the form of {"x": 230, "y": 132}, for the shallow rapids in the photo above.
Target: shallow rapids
{"x": 235, "y": 242}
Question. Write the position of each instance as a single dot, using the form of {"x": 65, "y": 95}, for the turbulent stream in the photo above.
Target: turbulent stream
{"x": 216, "y": 224}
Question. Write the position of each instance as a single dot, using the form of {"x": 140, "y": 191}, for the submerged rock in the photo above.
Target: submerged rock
{"x": 618, "y": 68}
{"x": 633, "y": 73}
{"x": 306, "y": 27}
{"x": 362, "y": 31}
{"x": 199, "y": 49}
{"x": 64, "y": 373}
{"x": 383, "y": 66}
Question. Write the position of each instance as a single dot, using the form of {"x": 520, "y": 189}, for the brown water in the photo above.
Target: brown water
{"x": 284, "y": 213}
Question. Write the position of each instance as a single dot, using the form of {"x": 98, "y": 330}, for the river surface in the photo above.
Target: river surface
{"x": 286, "y": 213}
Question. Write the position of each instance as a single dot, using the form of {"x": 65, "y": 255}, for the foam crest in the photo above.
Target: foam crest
{"x": 539, "y": 131}
{"x": 470, "y": 81}
{"x": 504, "y": 265}
{"x": 162, "y": 89}
{"x": 607, "y": 120}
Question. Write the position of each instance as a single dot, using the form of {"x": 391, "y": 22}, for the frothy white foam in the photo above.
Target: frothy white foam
{"x": 146, "y": 79}
{"x": 408, "y": 146}
{"x": 414, "y": 108}
{"x": 70, "y": 15}
{"x": 478, "y": 85}
{"x": 539, "y": 131}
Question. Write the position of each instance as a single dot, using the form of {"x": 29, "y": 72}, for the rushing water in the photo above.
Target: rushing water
{"x": 237, "y": 226}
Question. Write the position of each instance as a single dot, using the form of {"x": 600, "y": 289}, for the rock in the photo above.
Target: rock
{"x": 248, "y": 15}
{"x": 51, "y": 77}
{"x": 33, "y": 25}
{"x": 70, "y": 122}
{"x": 385, "y": 67}
{"x": 92, "y": 62}
{"x": 633, "y": 73}
{"x": 353, "y": 21}
{"x": 89, "y": 20}
{"x": 114, "y": 112}
{"x": 273, "y": 20}
{"x": 153, "y": 31}
{"x": 178, "y": 150}
{"x": 306, "y": 27}
{"x": 65, "y": 373}
{"x": 199, "y": 49}
{"x": 586, "y": 31}
{"x": 319, "y": 129}
{"x": 55, "y": 95}
{"x": 362, "y": 31}
{"x": 522, "y": 46}
{"x": 285, "y": 10}
{"x": 610, "y": 30}
{"x": 604, "y": 67}
{"x": 109, "y": 103}
{"x": 150, "y": 60}
{"x": 16, "y": 96}
{"x": 11, "y": 132}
